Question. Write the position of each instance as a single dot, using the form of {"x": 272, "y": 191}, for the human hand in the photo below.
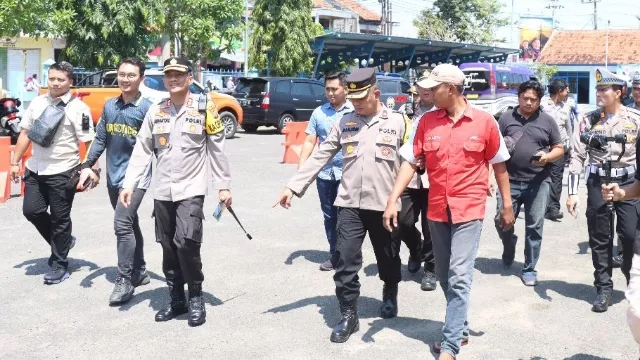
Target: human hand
{"x": 285, "y": 198}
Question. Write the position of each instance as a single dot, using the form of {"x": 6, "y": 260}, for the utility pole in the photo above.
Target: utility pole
{"x": 606, "y": 51}
{"x": 383, "y": 17}
{"x": 595, "y": 11}
{"x": 513, "y": 2}
{"x": 554, "y": 6}
{"x": 246, "y": 38}
{"x": 389, "y": 18}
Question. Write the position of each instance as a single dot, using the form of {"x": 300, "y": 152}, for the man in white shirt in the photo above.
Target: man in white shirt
{"x": 52, "y": 172}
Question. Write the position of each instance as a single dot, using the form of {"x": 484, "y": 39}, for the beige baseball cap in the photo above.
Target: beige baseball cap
{"x": 441, "y": 74}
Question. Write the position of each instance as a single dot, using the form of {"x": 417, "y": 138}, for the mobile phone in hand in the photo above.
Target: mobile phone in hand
{"x": 217, "y": 213}
{"x": 536, "y": 158}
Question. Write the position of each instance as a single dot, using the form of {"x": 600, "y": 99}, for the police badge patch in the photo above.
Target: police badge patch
{"x": 213, "y": 124}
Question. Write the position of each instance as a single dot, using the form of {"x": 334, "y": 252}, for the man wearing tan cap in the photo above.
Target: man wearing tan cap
{"x": 457, "y": 142}
{"x": 369, "y": 136}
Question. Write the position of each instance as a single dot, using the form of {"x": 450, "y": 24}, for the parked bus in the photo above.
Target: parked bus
{"x": 494, "y": 87}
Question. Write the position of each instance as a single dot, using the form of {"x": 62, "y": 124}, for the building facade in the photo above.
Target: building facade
{"x": 346, "y": 16}
{"x": 577, "y": 54}
{"x": 22, "y": 57}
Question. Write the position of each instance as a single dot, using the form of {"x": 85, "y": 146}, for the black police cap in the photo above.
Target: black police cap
{"x": 360, "y": 81}
{"x": 177, "y": 64}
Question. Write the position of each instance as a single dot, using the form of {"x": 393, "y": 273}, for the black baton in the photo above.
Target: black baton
{"x": 238, "y": 221}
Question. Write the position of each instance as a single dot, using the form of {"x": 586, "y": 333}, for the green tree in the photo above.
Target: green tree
{"x": 197, "y": 22}
{"x": 33, "y": 17}
{"x": 282, "y": 32}
{"x": 100, "y": 33}
{"x": 106, "y": 31}
{"x": 543, "y": 72}
{"x": 470, "y": 21}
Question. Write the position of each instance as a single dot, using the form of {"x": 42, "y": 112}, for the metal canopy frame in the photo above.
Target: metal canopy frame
{"x": 334, "y": 47}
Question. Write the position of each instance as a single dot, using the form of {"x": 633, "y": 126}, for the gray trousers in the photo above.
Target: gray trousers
{"x": 128, "y": 234}
{"x": 455, "y": 247}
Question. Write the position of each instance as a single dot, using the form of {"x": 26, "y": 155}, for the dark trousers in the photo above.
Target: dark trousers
{"x": 128, "y": 235}
{"x": 328, "y": 191}
{"x": 50, "y": 192}
{"x": 179, "y": 231}
{"x": 598, "y": 224}
{"x": 556, "y": 170}
{"x": 414, "y": 208}
{"x": 353, "y": 226}
{"x": 534, "y": 196}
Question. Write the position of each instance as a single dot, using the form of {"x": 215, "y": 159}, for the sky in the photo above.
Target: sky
{"x": 573, "y": 16}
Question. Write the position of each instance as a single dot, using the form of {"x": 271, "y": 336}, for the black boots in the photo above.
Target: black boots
{"x": 349, "y": 323}
{"x": 602, "y": 301}
{"x": 197, "y": 313}
{"x": 178, "y": 305}
{"x": 389, "y": 307}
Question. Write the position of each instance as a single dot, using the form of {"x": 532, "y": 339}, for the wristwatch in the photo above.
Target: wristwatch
{"x": 15, "y": 164}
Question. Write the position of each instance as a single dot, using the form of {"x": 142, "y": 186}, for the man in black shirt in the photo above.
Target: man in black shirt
{"x": 534, "y": 142}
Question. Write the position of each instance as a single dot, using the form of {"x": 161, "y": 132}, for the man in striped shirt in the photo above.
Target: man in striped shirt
{"x": 116, "y": 132}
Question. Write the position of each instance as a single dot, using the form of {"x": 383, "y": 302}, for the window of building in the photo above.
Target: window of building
{"x": 579, "y": 84}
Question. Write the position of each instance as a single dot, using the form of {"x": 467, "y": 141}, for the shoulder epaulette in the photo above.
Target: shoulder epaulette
{"x": 634, "y": 111}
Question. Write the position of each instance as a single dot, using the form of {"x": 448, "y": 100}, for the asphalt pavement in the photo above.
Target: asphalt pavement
{"x": 266, "y": 298}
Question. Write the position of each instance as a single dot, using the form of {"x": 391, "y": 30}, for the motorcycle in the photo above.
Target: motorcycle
{"x": 9, "y": 119}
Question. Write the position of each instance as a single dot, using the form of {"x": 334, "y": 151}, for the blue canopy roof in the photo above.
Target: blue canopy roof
{"x": 379, "y": 49}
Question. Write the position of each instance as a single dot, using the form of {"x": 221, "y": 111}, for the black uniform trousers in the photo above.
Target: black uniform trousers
{"x": 414, "y": 208}
{"x": 50, "y": 192}
{"x": 598, "y": 224}
{"x": 556, "y": 170}
{"x": 179, "y": 231}
{"x": 353, "y": 226}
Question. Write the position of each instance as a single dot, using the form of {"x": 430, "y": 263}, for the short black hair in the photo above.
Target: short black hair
{"x": 531, "y": 85}
{"x": 557, "y": 85}
{"x": 135, "y": 62}
{"x": 64, "y": 67}
{"x": 342, "y": 77}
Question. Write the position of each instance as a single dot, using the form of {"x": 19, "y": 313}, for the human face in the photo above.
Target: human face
{"x": 535, "y": 44}
{"x": 635, "y": 93}
{"x": 529, "y": 102}
{"x": 426, "y": 95}
{"x": 443, "y": 96}
{"x": 607, "y": 96}
{"x": 335, "y": 92}
{"x": 564, "y": 94}
{"x": 177, "y": 82}
{"x": 59, "y": 83}
{"x": 129, "y": 78}
{"x": 368, "y": 105}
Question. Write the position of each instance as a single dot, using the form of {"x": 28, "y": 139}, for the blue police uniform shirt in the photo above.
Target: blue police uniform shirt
{"x": 320, "y": 125}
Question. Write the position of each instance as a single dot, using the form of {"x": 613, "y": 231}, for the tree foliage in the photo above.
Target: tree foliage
{"x": 282, "y": 32}
{"x": 543, "y": 72}
{"x": 197, "y": 22}
{"x": 104, "y": 32}
{"x": 33, "y": 17}
{"x": 470, "y": 21}
{"x": 99, "y": 33}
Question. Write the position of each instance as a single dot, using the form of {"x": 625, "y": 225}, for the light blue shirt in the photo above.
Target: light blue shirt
{"x": 320, "y": 125}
